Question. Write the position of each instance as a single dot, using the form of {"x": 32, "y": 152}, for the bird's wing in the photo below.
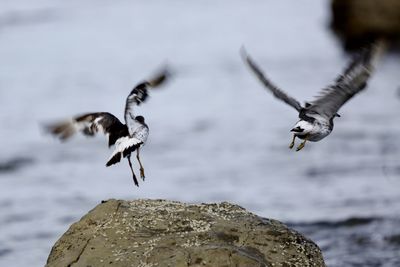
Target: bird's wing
{"x": 350, "y": 82}
{"x": 90, "y": 124}
{"x": 278, "y": 93}
{"x": 139, "y": 94}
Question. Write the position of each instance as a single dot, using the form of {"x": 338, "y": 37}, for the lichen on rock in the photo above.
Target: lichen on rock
{"x": 149, "y": 233}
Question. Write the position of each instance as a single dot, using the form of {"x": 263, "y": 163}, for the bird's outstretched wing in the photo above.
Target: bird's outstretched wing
{"x": 350, "y": 82}
{"x": 278, "y": 93}
{"x": 90, "y": 124}
{"x": 139, "y": 95}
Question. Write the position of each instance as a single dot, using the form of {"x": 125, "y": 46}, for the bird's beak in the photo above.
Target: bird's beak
{"x": 337, "y": 115}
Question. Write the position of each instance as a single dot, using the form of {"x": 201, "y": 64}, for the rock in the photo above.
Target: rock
{"x": 165, "y": 233}
{"x": 361, "y": 21}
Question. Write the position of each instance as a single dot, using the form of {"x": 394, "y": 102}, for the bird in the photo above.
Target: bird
{"x": 126, "y": 138}
{"x": 316, "y": 117}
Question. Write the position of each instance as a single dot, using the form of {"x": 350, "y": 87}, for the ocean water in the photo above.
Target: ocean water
{"x": 215, "y": 133}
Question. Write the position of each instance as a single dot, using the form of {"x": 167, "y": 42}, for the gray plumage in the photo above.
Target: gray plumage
{"x": 90, "y": 124}
{"x": 316, "y": 117}
{"x": 278, "y": 93}
{"x": 352, "y": 81}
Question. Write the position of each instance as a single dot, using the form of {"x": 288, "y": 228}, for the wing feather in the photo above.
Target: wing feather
{"x": 139, "y": 94}
{"x": 89, "y": 125}
{"x": 278, "y": 93}
{"x": 352, "y": 81}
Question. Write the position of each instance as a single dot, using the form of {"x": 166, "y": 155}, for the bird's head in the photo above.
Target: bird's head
{"x": 302, "y": 128}
{"x": 139, "y": 119}
{"x": 297, "y": 129}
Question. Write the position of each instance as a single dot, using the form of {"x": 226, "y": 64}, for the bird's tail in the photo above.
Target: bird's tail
{"x": 115, "y": 158}
{"x": 123, "y": 152}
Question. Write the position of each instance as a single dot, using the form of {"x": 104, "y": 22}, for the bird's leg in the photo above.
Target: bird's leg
{"x": 133, "y": 173}
{"x": 292, "y": 143}
{"x": 140, "y": 163}
{"x": 300, "y": 147}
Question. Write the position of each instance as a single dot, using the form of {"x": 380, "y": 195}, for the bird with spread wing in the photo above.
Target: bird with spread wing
{"x": 316, "y": 117}
{"x": 127, "y": 138}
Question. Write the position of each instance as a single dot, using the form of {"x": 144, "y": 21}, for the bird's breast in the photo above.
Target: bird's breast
{"x": 313, "y": 131}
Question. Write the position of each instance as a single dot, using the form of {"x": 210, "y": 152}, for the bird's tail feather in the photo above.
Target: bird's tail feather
{"x": 118, "y": 154}
{"x": 114, "y": 159}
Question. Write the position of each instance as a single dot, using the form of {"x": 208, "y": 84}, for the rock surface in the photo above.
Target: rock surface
{"x": 165, "y": 233}
{"x": 360, "y": 21}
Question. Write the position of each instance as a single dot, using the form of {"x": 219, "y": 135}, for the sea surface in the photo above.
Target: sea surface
{"x": 215, "y": 133}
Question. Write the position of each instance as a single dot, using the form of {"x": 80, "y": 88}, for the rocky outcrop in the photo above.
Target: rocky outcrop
{"x": 166, "y": 233}
{"x": 360, "y": 21}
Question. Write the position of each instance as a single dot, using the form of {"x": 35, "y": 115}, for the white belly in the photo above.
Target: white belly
{"x": 316, "y": 136}
{"x": 313, "y": 131}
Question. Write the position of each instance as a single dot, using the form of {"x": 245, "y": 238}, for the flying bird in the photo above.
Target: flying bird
{"x": 316, "y": 117}
{"x": 127, "y": 138}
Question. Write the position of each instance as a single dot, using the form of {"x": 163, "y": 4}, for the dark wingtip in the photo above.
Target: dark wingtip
{"x": 252, "y": 65}
{"x": 62, "y": 130}
{"x": 245, "y": 56}
{"x": 160, "y": 77}
{"x": 243, "y": 51}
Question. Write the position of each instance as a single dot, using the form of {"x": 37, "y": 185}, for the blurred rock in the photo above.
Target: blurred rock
{"x": 14, "y": 164}
{"x": 360, "y": 21}
{"x": 166, "y": 233}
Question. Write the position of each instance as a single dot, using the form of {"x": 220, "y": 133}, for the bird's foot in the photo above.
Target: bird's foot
{"x": 142, "y": 173}
{"x": 291, "y": 145}
{"x": 300, "y": 147}
{"x": 135, "y": 181}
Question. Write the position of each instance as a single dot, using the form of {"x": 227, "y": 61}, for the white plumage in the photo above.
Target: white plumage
{"x": 123, "y": 144}
{"x": 128, "y": 137}
{"x": 315, "y": 131}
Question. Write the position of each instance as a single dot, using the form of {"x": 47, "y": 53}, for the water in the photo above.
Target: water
{"x": 216, "y": 134}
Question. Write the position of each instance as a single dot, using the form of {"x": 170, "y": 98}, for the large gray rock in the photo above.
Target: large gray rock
{"x": 165, "y": 233}
{"x": 360, "y": 21}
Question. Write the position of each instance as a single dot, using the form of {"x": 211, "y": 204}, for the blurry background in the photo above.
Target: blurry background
{"x": 215, "y": 133}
